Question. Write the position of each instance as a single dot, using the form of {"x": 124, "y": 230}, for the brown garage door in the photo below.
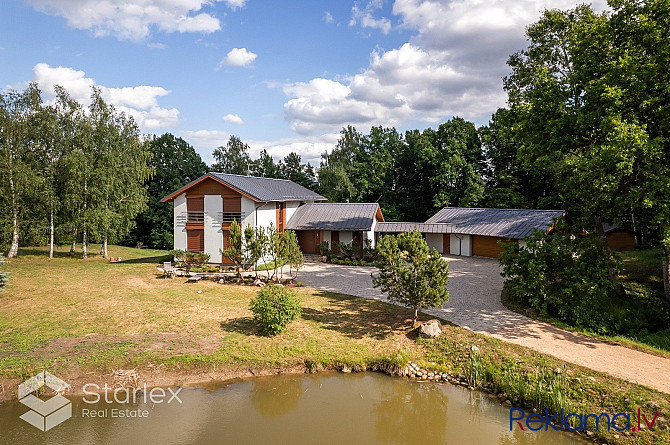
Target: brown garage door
{"x": 308, "y": 240}
{"x": 486, "y": 246}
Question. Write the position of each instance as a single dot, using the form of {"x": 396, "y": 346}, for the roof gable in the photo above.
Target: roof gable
{"x": 256, "y": 188}
{"x": 505, "y": 223}
{"x": 335, "y": 216}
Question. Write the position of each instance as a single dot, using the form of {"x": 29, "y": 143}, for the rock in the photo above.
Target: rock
{"x": 652, "y": 405}
{"x": 324, "y": 259}
{"x": 430, "y": 329}
{"x": 258, "y": 283}
{"x": 345, "y": 369}
{"x": 199, "y": 291}
{"x": 627, "y": 400}
{"x": 474, "y": 348}
{"x": 507, "y": 403}
{"x": 532, "y": 312}
{"x": 590, "y": 433}
{"x": 558, "y": 371}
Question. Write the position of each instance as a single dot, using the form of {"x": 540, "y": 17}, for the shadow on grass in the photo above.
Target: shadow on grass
{"x": 149, "y": 259}
{"x": 242, "y": 325}
{"x": 357, "y": 317}
{"x": 28, "y": 251}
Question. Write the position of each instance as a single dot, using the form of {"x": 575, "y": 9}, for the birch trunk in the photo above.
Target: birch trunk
{"x": 14, "y": 249}
{"x": 103, "y": 248}
{"x": 51, "y": 234}
{"x": 84, "y": 254}
{"x": 73, "y": 248}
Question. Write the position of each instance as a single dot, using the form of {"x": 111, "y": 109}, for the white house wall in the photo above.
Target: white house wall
{"x": 213, "y": 232}
{"x": 465, "y": 244}
{"x": 180, "y": 222}
{"x": 346, "y": 237}
{"x": 434, "y": 241}
{"x": 266, "y": 214}
{"x": 291, "y": 207}
{"x": 248, "y": 208}
{"x": 370, "y": 234}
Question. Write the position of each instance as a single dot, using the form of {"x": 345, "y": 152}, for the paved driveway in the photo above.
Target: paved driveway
{"x": 474, "y": 286}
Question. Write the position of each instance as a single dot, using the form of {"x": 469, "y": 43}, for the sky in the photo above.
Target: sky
{"x": 282, "y": 75}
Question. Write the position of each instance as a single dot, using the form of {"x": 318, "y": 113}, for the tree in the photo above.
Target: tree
{"x": 175, "y": 163}
{"x": 233, "y": 158}
{"x": 410, "y": 272}
{"x": 592, "y": 109}
{"x": 237, "y": 250}
{"x": 292, "y": 254}
{"x": 17, "y": 177}
{"x": 257, "y": 244}
{"x": 4, "y": 276}
{"x": 265, "y": 166}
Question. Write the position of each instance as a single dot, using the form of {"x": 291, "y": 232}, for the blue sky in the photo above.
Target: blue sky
{"x": 282, "y": 75}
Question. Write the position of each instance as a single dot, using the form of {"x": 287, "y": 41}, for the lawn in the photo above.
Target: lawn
{"x": 84, "y": 319}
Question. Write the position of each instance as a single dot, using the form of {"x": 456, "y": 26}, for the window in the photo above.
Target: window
{"x": 195, "y": 240}
{"x": 232, "y": 210}
{"x": 195, "y": 209}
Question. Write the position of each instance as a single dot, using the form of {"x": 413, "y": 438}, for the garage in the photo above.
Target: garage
{"x": 487, "y": 246}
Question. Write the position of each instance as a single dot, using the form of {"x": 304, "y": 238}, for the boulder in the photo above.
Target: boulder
{"x": 430, "y": 329}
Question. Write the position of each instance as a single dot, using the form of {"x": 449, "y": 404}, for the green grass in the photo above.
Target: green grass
{"x": 271, "y": 265}
{"x": 78, "y": 317}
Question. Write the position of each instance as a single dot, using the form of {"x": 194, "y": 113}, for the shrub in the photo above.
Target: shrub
{"x": 562, "y": 275}
{"x": 189, "y": 259}
{"x": 274, "y": 308}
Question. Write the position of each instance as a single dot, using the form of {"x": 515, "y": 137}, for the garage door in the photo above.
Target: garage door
{"x": 486, "y": 246}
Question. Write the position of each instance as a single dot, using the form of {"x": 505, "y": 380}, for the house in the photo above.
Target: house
{"x": 204, "y": 208}
{"x": 476, "y": 231}
{"x": 348, "y": 223}
{"x": 619, "y": 238}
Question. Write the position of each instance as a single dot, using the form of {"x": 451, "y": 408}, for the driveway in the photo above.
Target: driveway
{"x": 474, "y": 286}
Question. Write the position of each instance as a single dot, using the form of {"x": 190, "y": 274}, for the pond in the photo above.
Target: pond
{"x": 324, "y": 408}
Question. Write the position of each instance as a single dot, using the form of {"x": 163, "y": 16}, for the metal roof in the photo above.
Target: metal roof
{"x": 504, "y": 223}
{"x": 269, "y": 189}
{"x": 334, "y": 216}
{"x": 400, "y": 227}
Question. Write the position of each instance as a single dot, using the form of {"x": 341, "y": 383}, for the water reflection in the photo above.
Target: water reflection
{"x": 272, "y": 397}
{"x": 412, "y": 414}
{"x": 324, "y": 408}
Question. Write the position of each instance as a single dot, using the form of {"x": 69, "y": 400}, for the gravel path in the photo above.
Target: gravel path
{"x": 474, "y": 286}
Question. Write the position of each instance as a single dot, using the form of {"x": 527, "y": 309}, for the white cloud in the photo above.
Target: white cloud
{"x": 235, "y": 4}
{"x": 135, "y": 19}
{"x": 453, "y": 65}
{"x": 141, "y": 101}
{"x": 233, "y": 118}
{"x": 328, "y": 17}
{"x": 309, "y": 148}
{"x": 238, "y": 57}
{"x": 364, "y": 16}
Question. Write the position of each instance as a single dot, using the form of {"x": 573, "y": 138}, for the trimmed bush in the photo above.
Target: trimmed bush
{"x": 274, "y": 308}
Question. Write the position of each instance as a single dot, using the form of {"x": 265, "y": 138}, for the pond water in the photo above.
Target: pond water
{"x": 364, "y": 408}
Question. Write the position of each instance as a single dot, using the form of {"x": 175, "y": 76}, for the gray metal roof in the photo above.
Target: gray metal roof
{"x": 269, "y": 189}
{"x": 333, "y": 216}
{"x": 400, "y": 227}
{"x": 505, "y": 223}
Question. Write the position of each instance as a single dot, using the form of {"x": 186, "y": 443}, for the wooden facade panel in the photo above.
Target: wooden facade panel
{"x": 308, "y": 240}
{"x": 232, "y": 205}
{"x": 486, "y": 246}
{"x": 195, "y": 204}
{"x": 209, "y": 186}
{"x": 195, "y": 240}
{"x": 446, "y": 246}
{"x": 621, "y": 240}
